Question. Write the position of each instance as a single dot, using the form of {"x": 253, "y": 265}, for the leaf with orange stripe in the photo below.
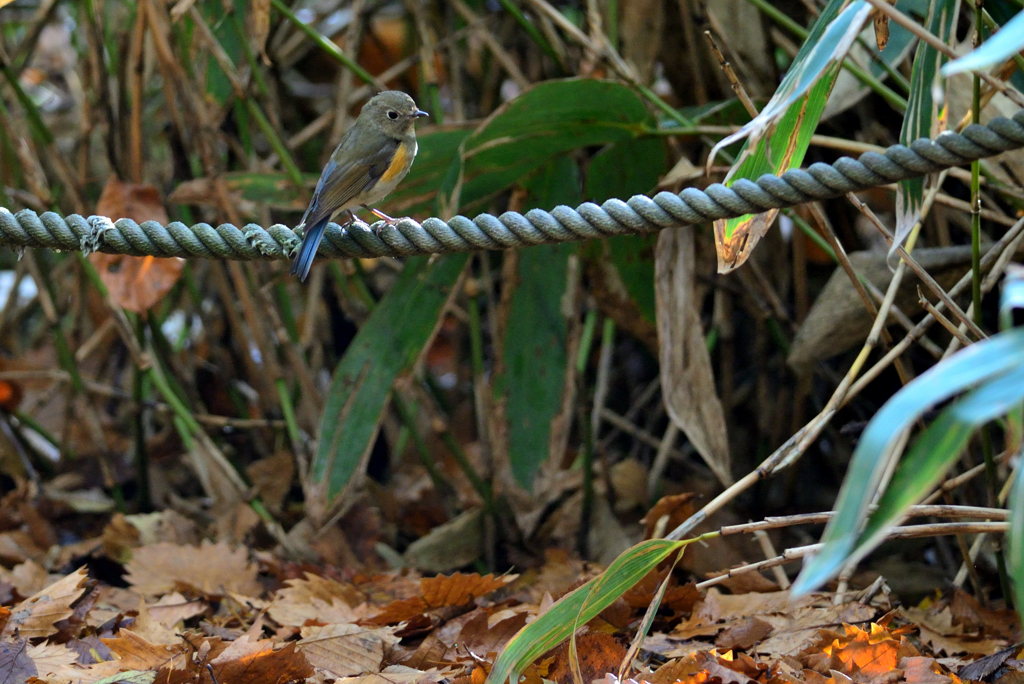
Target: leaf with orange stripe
{"x": 778, "y": 137}
{"x": 135, "y": 283}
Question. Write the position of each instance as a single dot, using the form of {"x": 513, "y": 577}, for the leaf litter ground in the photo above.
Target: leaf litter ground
{"x": 212, "y": 612}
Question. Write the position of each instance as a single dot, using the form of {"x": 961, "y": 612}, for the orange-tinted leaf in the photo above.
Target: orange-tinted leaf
{"x": 440, "y": 592}
{"x": 245, "y": 662}
{"x": 867, "y": 654}
{"x": 136, "y": 653}
{"x": 459, "y": 589}
{"x": 598, "y": 655}
{"x": 135, "y": 283}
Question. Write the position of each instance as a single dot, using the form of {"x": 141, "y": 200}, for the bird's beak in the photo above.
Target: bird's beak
{"x": 419, "y": 113}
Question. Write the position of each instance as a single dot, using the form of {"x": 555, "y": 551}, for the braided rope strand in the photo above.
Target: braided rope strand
{"x": 640, "y": 214}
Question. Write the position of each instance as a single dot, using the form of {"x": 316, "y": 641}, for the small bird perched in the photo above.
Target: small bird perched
{"x": 372, "y": 158}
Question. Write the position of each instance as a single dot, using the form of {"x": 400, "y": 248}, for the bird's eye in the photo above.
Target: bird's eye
{"x": 392, "y": 115}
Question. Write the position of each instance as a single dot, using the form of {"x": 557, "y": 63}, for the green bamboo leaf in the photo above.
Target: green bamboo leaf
{"x": 1015, "y": 541}
{"x": 995, "y": 50}
{"x": 922, "y": 117}
{"x": 390, "y": 342}
{"x": 416, "y": 195}
{"x": 938, "y": 448}
{"x": 622, "y": 170}
{"x": 578, "y": 607}
{"x": 535, "y": 351}
{"x": 544, "y": 122}
{"x": 981, "y": 362}
{"x": 778, "y": 137}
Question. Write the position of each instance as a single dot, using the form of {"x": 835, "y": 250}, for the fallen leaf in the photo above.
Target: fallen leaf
{"x": 53, "y": 660}
{"x": 245, "y": 662}
{"x": 27, "y": 578}
{"x": 921, "y": 670}
{"x": 137, "y": 653}
{"x": 316, "y": 600}
{"x": 135, "y": 283}
{"x": 440, "y": 592}
{"x": 15, "y": 663}
{"x": 597, "y": 654}
{"x": 744, "y": 635}
{"x": 211, "y": 569}
{"x": 346, "y": 650}
{"x": 687, "y": 379}
{"x": 36, "y": 615}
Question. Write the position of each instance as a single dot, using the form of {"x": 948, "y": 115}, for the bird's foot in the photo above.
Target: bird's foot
{"x": 381, "y": 215}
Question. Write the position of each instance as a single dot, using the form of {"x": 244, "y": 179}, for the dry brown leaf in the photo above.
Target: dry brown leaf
{"x": 136, "y": 653}
{"x": 16, "y": 546}
{"x": 317, "y": 600}
{"x": 940, "y": 634}
{"x": 439, "y": 592}
{"x": 395, "y": 674}
{"x": 245, "y": 662}
{"x": 865, "y": 655}
{"x": 972, "y": 615}
{"x": 687, "y": 380}
{"x": 796, "y": 629}
{"x": 744, "y": 634}
{"x": 211, "y": 569}
{"x": 15, "y": 663}
{"x": 597, "y": 653}
{"x": 174, "y": 608}
{"x": 150, "y": 629}
{"x": 54, "y": 660}
{"x": 347, "y": 650}
{"x": 271, "y": 477}
{"x": 261, "y": 26}
{"x": 697, "y": 668}
{"x": 27, "y": 578}
{"x": 486, "y": 640}
{"x": 135, "y": 283}
{"x": 35, "y": 616}
{"x": 676, "y": 508}
{"x": 921, "y": 670}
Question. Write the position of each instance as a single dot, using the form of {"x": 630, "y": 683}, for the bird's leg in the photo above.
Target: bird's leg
{"x": 381, "y": 215}
{"x": 346, "y": 217}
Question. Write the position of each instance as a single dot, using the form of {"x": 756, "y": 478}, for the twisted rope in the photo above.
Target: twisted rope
{"x": 640, "y": 214}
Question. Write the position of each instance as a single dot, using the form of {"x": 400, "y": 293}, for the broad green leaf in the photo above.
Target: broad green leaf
{"x": 389, "y": 343}
{"x": 544, "y": 122}
{"x": 224, "y": 24}
{"x": 778, "y": 137}
{"x": 1015, "y": 539}
{"x": 980, "y": 363}
{"x": 622, "y": 170}
{"x": 535, "y": 349}
{"x": 923, "y": 113}
{"x": 1011, "y": 298}
{"x": 938, "y": 448}
{"x": 995, "y": 50}
{"x": 416, "y": 195}
{"x": 579, "y": 607}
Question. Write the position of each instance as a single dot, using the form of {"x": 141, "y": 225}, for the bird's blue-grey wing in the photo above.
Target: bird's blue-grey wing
{"x": 340, "y": 184}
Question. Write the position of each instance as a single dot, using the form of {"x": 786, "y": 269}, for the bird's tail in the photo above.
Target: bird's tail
{"x": 307, "y": 250}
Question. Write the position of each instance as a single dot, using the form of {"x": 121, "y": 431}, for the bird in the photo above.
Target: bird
{"x": 372, "y": 158}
